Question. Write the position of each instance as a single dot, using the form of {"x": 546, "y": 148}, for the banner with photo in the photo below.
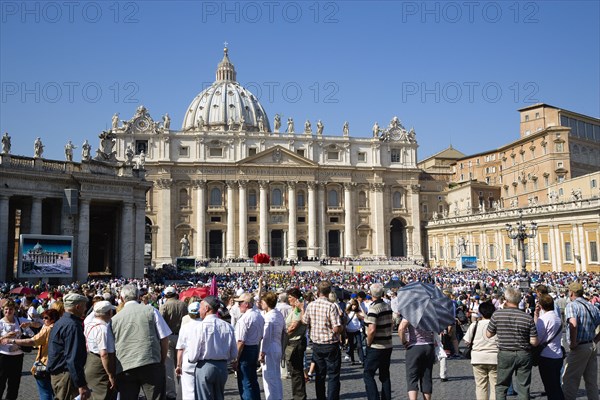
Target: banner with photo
{"x": 45, "y": 256}
{"x": 468, "y": 262}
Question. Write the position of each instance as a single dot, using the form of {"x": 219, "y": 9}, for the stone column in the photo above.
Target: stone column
{"x": 291, "y": 237}
{"x": 126, "y": 241}
{"x": 243, "y": 228}
{"x": 285, "y": 249}
{"x": 379, "y": 228}
{"x": 200, "y": 219}
{"x": 322, "y": 215}
{"x": 348, "y": 224}
{"x": 83, "y": 241}
{"x": 4, "y": 215}
{"x": 415, "y": 222}
{"x": 224, "y": 247}
{"x": 230, "y": 253}
{"x": 312, "y": 221}
{"x": 36, "y": 216}
{"x": 140, "y": 239}
{"x": 165, "y": 228}
{"x": 263, "y": 245}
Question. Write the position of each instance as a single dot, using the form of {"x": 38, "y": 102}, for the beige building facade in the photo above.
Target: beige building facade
{"x": 232, "y": 184}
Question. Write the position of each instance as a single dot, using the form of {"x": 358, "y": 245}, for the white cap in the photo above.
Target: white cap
{"x": 239, "y": 292}
{"x": 103, "y": 307}
{"x": 170, "y": 290}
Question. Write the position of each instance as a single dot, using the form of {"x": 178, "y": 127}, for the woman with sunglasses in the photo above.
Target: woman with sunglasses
{"x": 49, "y": 316}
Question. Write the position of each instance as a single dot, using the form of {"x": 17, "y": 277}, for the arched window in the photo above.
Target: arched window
{"x": 252, "y": 198}
{"x": 397, "y": 200}
{"x": 362, "y": 199}
{"x": 300, "y": 199}
{"x": 215, "y": 197}
{"x": 276, "y": 198}
{"x": 332, "y": 198}
{"x": 183, "y": 198}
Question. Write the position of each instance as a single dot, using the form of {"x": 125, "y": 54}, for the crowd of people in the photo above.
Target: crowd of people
{"x": 147, "y": 335}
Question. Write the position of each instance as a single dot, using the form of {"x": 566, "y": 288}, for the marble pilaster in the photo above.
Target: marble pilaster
{"x": 200, "y": 219}
{"x": 312, "y": 221}
{"x": 83, "y": 241}
{"x": 291, "y": 237}
{"x": 165, "y": 229}
{"x": 379, "y": 231}
{"x": 322, "y": 219}
{"x": 348, "y": 223}
{"x": 263, "y": 245}
{"x": 230, "y": 254}
{"x": 243, "y": 218}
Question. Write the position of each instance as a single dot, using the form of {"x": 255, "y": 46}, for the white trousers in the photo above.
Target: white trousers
{"x": 187, "y": 385}
{"x": 271, "y": 375}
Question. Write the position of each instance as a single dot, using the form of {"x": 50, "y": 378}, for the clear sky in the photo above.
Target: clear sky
{"x": 455, "y": 71}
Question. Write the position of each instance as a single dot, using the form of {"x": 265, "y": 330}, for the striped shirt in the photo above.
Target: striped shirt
{"x": 514, "y": 329}
{"x": 321, "y": 317}
{"x": 588, "y": 318}
{"x": 380, "y": 314}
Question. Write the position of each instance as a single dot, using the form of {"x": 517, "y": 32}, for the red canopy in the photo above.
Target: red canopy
{"x": 23, "y": 290}
{"x": 262, "y": 258}
{"x": 201, "y": 292}
{"x": 45, "y": 295}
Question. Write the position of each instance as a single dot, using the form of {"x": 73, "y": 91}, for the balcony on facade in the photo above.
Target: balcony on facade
{"x": 334, "y": 210}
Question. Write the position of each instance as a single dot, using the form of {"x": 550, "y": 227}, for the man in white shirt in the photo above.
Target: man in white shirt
{"x": 248, "y": 333}
{"x": 100, "y": 363}
{"x": 210, "y": 346}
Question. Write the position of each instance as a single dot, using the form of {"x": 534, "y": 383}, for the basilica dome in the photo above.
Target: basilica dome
{"x": 226, "y": 105}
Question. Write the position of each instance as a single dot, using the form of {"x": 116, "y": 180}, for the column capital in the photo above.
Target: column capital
{"x": 322, "y": 185}
{"x": 243, "y": 183}
{"x": 415, "y": 188}
{"x": 312, "y": 185}
{"x": 164, "y": 183}
{"x": 377, "y": 187}
{"x": 231, "y": 184}
{"x": 263, "y": 184}
{"x": 199, "y": 183}
{"x": 349, "y": 185}
{"x": 292, "y": 184}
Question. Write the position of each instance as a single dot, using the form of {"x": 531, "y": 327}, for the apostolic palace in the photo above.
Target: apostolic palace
{"x": 234, "y": 181}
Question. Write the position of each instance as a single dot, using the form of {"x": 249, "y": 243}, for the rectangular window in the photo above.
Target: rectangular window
{"x": 492, "y": 252}
{"x": 300, "y": 152}
{"x": 477, "y": 251}
{"x": 215, "y": 219}
{"x": 593, "y": 183}
{"x": 333, "y": 155}
{"x": 568, "y": 252}
{"x": 526, "y": 250}
{"x": 395, "y": 156}
{"x": 545, "y": 252}
{"x": 507, "y": 256}
{"x": 252, "y": 218}
{"x": 302, "y": 219}
{"x": 362, "y": 156}
{"x": 452, "y": 252}
{"x": 141, "y": 145}
{"x": 546, "y": 180}
{"x": 334, "y": 220}
{"x": 251, "y": 151}
{"x": 216, "y": 152}
{"x": 593, "y": 252}
{"x": 425, "y": 209}
{"x": 441, "y": 251}
{"x": 184, "y": 151}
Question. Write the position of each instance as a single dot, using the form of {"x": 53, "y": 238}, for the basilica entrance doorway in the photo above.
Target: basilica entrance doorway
{"x": 276, "y": 243}
{"x": 333, "y": 248}
{"x": 103, "y": 245}
{"x": 301, "y": 249}
{"x": 252, "y": 248}
{"x": 215, "y": 244}
{"x": 398, "y": 238}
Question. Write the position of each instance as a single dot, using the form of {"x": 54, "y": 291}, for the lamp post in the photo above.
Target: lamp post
{"x": 520, "y": 233}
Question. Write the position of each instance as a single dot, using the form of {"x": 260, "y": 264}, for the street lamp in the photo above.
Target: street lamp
{"x": 520, "y": 233}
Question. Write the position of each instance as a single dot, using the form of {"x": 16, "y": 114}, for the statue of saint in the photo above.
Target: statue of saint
{"x": 200, "y": 122}
{"x": 115, "y": 121}
{"x": 6, "y": 143}
{"x": 86, "y": 151}
{"x": 307, "y": 127}
{"x": 242, "y": 122}
{"x": 290, "y": 125}
{"x": 261, "y": 124}
{"x": 38, "y": 148}
{"x": 69, "y": 147}
{"x": 129, "y": 155}
{"x": 167, "y": 121}
{"x": 142, "y": 160}
{"x": 346, "y": 128}
{"x": 185, "y": 246}
{"x": 320, "y": 127}
{"x": 376, "y": 130}
{"x": 395, "y": 123}
{"x": 230, "y": 123}
{"x": 277, "y": 123}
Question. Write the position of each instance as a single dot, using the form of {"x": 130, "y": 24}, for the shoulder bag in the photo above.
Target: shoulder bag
{"x": 467, "y": 353}
{"x": 536, "y": 352}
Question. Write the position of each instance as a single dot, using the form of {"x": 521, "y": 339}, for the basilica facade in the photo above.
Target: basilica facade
{"x": 234, "y": 182}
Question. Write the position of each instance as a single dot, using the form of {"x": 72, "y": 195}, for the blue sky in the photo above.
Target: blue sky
{"x": 455, "y": 71}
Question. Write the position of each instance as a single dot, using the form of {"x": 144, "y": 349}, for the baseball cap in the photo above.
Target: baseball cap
{"x": 194, "y": 308}
{"x": 239, "y": 292}
{"x": 170, "y": 290}
{"x": 72, "y": 299}
{"x": 243, "y": 297}
{"x": 214, "y": 303}
{"x": 103, "y": 307}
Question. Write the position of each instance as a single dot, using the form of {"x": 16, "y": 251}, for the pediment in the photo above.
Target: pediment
{"x": 277, "y": 155}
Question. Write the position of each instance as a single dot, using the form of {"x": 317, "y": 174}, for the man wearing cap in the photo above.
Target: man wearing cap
{"x": 66, "y": 351}
{"x": 248, "y": 333}
{"x": 173, "y": 311}
{"x": 211, "y": 346}
{"x": 100, "y": 364}
{"x": 323, "y": 321}
{"x": 379, "y": 345}
{"x": 186, "y": 369}
{"x": 234, "y": 311}
{"x": 583, "y": 319}
{"x": 141, "y": 344}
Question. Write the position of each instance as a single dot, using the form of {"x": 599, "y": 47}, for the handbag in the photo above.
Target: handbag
{"x": 467, "y": 353}
{"x": 40, "y": 371}
{"x": 24, "y": 349}
{"x": 536, "y": 352}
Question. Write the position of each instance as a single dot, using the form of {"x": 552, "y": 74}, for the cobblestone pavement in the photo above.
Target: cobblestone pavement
{"x": 460, "y": 385}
